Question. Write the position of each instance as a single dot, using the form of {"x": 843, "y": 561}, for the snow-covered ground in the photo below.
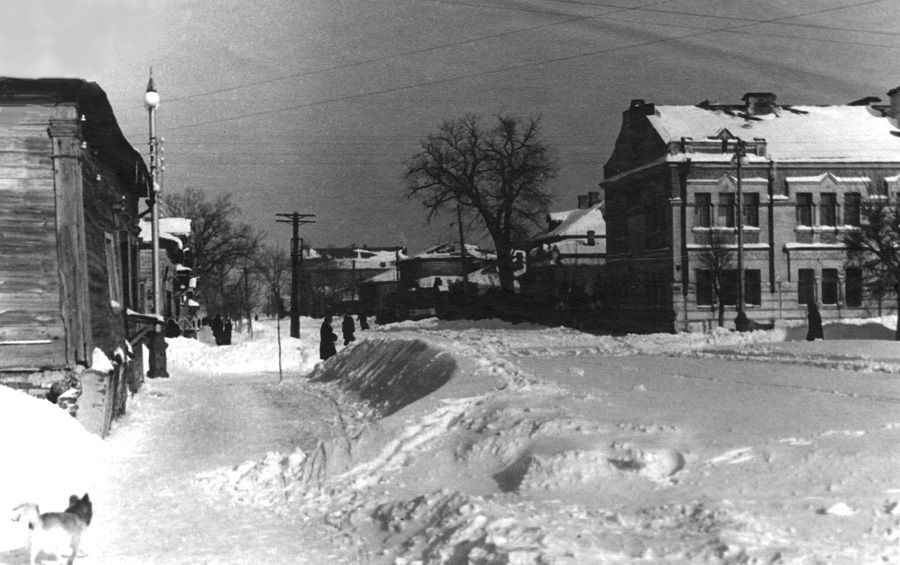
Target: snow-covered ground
{"x": 483, "y": 442}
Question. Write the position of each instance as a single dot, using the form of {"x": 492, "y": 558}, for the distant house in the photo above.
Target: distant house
{"x": 565, "y": 261}
{"x": 444, "y": 261}
{"x": 670, "y": 191}
{"x": 70, "y": 184}
{"x": 176, "y": 277}
{"x": 333, "y": 277}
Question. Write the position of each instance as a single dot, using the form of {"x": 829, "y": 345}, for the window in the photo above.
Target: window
{"x": 750, "y": 203}
{"x": 852, "y": 202}
{"x": 113, "y": 272}
{"x": 704, "y": 287}
{"x": 828, "y": 209}
{"x": 806, "y": 286}
{"x": 703, "y": 209}
{"x": 804, "y": 209}
{"x": 829, "y": 286}
{"x": 752, "y": 287}
{"x": 726, "y": 210}
{"x": 854, "y": 287}
{"x": 729, "y": 287}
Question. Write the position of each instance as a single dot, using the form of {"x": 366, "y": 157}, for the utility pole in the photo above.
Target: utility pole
{"x": 296, "y": 219}
{"x": 740, "y": 160}
{"x": 462, "y": 250}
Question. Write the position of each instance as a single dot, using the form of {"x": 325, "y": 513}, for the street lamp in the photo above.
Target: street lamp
{"x": 158, "y": 342}
{"x": 739, "y": 160}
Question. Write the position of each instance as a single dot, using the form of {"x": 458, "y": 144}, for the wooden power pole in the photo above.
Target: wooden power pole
{"x": 296, "y": 219}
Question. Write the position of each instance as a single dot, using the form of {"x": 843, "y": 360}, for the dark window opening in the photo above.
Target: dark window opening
{"x": 854, "y": 287}
{"x": 828, "y": 209}
{"x": 703, "y": 209}
{"x": 750, "y": 202}
{"x": 852, "y": 204}
{"x": 829, "y": 286}
{"x": 806, "y": 286}
{"x": 726, "y": 210}
{"x": 804, "y": 209}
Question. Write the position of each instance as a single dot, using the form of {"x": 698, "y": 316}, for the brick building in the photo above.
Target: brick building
{"x": 670, "y": 191}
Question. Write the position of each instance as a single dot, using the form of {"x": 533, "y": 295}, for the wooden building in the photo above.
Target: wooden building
{"x": 671, "y": 200}
{"x": 70, "y": 185}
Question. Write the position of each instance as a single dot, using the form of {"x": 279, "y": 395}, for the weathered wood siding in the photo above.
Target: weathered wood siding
{"x": 101, "y": 195}
{"x": 30, "y": 321}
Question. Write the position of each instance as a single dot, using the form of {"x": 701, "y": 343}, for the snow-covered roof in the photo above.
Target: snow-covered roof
{"x": 575, "y": 223}
{"x": 175, "y": 226}
{"x": 452, "y": 250}
{"x": 170, "y": 229}
{"x": 827, "y": 133}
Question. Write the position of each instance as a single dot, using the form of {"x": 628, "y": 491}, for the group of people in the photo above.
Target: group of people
{"x": 221, "y": 329}
{"x": 328, "y": 338}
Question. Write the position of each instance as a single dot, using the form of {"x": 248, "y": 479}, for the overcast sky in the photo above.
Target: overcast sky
{"x": 314, "y": 106}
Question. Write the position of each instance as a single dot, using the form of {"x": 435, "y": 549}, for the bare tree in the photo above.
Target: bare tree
{"x": 219, "y": 244}
{"x": 274, "y": 266}
{"x": 718, "y": 259}
{"x": 874, "y": 245}
{"x": 498, "y": 175}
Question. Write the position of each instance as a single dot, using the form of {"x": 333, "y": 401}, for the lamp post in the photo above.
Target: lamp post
{"x": 158, "y": 341}
{"x": 739, "y": 160}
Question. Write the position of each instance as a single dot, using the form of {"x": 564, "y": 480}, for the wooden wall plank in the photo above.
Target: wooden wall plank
{"x": 39, "y": 356}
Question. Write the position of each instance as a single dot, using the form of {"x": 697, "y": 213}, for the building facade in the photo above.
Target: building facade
{"x": 671, "y": 199}
{"x": 70, "y": 186}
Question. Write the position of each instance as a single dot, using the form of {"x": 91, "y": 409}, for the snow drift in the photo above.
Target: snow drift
{"x": 680, "y": 448}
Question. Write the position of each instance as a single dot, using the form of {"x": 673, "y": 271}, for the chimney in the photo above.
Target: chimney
{"x": 759, "y": 103}
{"x": 894, "y": 93}
{"x": 582, "y": 201}
{"x": 591, "y": 237}
{"x": 593, "y": 198}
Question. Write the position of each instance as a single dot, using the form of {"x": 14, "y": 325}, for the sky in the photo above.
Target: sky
{"x": 315, "y": 106}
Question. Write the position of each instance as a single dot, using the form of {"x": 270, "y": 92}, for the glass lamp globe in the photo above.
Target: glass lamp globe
{"x": 151, "y": 99}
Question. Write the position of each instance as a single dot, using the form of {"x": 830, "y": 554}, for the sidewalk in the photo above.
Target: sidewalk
{"x": 150, "y": 511}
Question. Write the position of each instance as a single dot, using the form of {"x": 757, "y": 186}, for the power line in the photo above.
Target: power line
{"x": 407, "y": 53}
{"x": 513, "y": 67}
{"x": 750, "y": 21}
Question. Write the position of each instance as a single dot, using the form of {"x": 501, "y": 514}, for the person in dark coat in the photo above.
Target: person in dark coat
{"x": 363, "y": 322}
{"x": 226, "y": 332}
{"x": 216, "y": 326}
{"x": 327, "y": 337}
{"x": 348, "y": 327}
{"x": 815, "y": 323}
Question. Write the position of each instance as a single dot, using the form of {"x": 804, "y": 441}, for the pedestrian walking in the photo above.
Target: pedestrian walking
{"x": 348, "y": 327}
{"x": 327, "y": 337}
{"x": 216, "y": 326}
{"x": 363, "y": 322}
{"x": 814, "y": 319}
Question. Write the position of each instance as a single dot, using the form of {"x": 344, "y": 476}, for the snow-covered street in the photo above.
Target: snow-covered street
{"x": 437, "y": 442}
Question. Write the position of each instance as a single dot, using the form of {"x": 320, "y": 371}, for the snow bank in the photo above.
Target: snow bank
{"x": 599, "y": 458}
{"x": 256, "y": 354}
{"x": 47, "y": 456}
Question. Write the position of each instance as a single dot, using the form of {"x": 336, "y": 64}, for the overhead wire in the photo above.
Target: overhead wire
{"x": 521, "y": 66}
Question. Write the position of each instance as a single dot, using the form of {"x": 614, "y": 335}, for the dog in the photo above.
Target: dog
{"x": 57, "y": 533}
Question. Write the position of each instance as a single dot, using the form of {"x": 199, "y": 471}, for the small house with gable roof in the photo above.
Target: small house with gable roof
{"x": 565, "y": 261}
